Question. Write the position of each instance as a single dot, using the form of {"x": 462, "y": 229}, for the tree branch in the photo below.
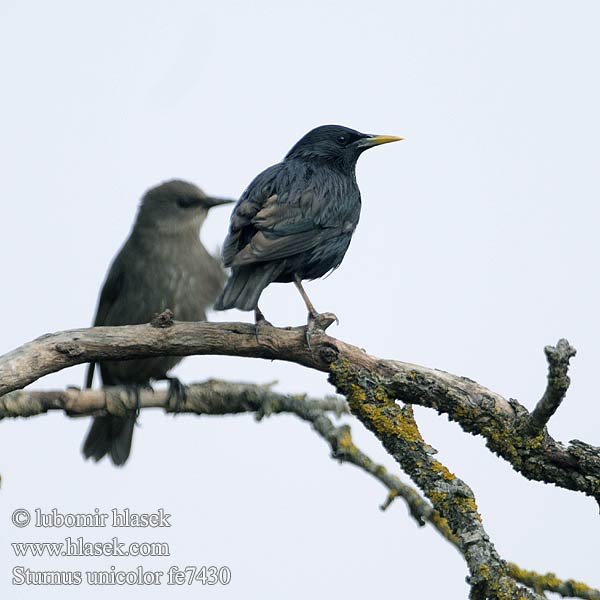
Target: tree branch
{"x": 215, "y": 397}
{"x": 478, "y": 410}
{"x": 558, "y": 383}
{"x": 549, "y": 582}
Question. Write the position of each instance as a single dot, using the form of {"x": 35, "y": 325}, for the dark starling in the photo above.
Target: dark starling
{"x": 162, "y": 265}
{"x": 296, "y": 219}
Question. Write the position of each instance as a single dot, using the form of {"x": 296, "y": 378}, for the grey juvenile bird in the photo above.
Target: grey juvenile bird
{"x": 162, "y": 265}
{"x": 296, "y": 219}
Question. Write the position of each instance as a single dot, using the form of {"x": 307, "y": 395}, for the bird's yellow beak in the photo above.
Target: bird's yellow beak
{"x": 376, "y": 140}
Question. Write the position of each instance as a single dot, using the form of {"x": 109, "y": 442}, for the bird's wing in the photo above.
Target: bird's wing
{"x": 285, "y": 227}
{"x": 241, "y": 229}
{"x": 286, "y": 214}
{"x": 110, "y": 292}
{"x": 279, "y": 216}
{"x": 268, "y": 187}
{"x": 251, "y": 201}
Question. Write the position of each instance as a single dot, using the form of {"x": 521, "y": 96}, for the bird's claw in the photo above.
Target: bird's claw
{"x": 318, "y": 324}
{"x": 133, "y": 390}
{"x": 176, "y": 395}
{"x": 260, "y": 323}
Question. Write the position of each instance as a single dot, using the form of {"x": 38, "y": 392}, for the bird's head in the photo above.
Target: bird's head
{"x": 336, "y": 144}
{"x": 175, "y": 206}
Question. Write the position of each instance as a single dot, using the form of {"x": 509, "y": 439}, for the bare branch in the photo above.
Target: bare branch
{"x": 478, "y": 410}
{"x": 212, "y": 397}
{"x": 558, "y": 383}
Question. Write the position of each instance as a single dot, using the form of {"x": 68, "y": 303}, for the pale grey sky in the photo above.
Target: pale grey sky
{"x": 477, "y": 246}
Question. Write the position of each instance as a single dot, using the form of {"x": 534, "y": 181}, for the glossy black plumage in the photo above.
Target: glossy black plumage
{"x": 296, "y": 219}
{"x": 162, "y": 265}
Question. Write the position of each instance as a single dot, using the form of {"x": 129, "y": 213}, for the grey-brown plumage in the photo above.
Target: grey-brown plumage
{"x": 162, "y": 265}
{"x": 296, "y": 219}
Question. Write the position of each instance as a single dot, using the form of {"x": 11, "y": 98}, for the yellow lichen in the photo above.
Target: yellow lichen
{"x": 358, "y": 395}
{"x": 468, "y": 505}
{"x": 438, "y": 467}
{"x": 345, "y": 441}
{"x": 396, "y": 422}
{"x": 438, "y": 498}
{"x": 381, "y": 471}
{"x": 580, "y": 589}
{"x": 445, "y": 503}
{"x": 443, "y": 526}
{"x": 484, "y": 571}
{"x": 548, "y": 582}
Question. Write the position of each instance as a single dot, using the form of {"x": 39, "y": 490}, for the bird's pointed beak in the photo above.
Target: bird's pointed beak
{"x": 211, "y": 201}
{"x": 377, "y": 140}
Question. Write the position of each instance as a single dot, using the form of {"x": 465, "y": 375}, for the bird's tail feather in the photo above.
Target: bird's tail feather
{"x": 245, "y": 285}
{"x": 110, "y": 435}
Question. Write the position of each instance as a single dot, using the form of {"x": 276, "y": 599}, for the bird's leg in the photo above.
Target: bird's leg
{"x": 259, "y": 317}
{"x": 316, "y": 321}
{"x": 259, "y": 322}
{"x": 312, "y": 311}
{"x": 177, "y": 394}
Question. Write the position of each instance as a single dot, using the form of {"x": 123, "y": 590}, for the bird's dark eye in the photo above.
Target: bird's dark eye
{"x": 186, "y": 202}
{"x": 342, "y": 140}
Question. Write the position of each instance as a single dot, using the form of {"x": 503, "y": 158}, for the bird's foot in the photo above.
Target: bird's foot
{"x": 134, "y": 391}
{"x": 318, "y": 324}
{"x": 259, "y": 323}
{"x": 176, "y": 394}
